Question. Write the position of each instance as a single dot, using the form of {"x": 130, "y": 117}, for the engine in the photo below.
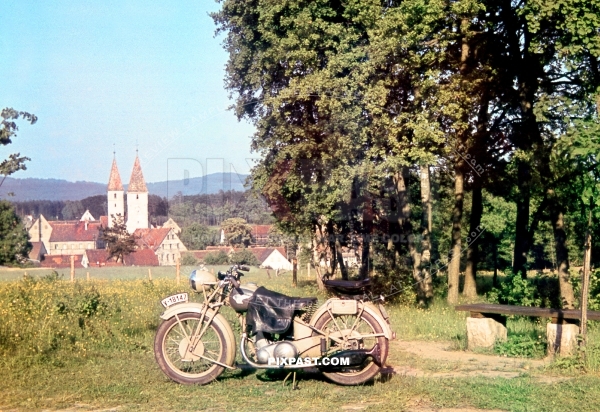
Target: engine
{"x": 266, "y": 349}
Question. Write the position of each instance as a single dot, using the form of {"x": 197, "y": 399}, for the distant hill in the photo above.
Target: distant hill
{"x": 56, "y": 189}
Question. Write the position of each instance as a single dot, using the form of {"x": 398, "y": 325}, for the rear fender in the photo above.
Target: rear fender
{"x": 368, "y": 307}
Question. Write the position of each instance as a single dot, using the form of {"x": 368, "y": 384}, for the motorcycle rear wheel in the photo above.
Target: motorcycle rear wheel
{"x": 367, "y": 325}
{"x": 178, "y": 362}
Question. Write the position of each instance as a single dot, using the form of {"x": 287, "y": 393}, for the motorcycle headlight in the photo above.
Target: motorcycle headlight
{"x": 202, "y": 280}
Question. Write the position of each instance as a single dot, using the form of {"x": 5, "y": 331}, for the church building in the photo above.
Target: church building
{"x": 137, "y": 198}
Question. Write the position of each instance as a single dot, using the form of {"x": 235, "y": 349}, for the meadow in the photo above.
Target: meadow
{"x": 88, "y": 345}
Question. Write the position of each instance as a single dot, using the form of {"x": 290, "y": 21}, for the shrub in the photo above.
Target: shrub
{"x": 187, "y": 259}
{"x": 243, "y": 257}
{"x": 540, "y": 291}
{"x": 218, "y": 258}
{"x": 594, "y": 288}
{"x": 523, "y": 346}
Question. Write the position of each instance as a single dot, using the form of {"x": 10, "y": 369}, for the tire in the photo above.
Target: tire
{"x": 367, "y": 325}
{"x": 189, "y": 368}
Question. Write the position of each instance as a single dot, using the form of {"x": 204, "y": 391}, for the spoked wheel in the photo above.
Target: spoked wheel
{"x": 354, "y": 334}
{"x": 184, "y": 357}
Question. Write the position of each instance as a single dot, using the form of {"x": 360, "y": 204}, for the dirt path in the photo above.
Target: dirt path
{"x": 441, "y": 362}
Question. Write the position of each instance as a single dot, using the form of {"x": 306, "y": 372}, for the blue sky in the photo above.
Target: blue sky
{"x": 117, "y": 72}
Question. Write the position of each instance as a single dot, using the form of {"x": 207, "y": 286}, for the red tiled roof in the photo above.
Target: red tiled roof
{"x": 141, "y": 257}
{"x": 262, "y": 253}
{"x": 37, "y": 250}
{"x": 114, "y": 181}
{"x": 260, "y": 230}
{"x": 151, "y": 238}
{"x": 136, "y": 182}
{"x": 60, "y": 261}
{"x": 74, "y": 231}
{"x": 103, "y": 221}
{"x": 96, "y": 255}
{"x": 200, "y": 254}
{"x": 225, "y": 249}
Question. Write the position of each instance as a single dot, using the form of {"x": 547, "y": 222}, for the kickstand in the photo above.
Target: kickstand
{"x": 294, "y": 385}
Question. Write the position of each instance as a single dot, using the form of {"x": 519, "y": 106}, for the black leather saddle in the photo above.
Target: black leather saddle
{"x": 348, "y": 287}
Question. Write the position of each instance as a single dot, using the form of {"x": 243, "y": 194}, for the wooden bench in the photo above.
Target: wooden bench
{"x": 487, "y": 324}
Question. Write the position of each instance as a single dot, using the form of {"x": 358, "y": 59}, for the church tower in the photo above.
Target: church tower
{"x": 115, "y": 194}
{"x": 137, "y": 199}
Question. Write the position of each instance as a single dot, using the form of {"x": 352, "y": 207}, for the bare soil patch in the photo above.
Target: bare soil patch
{"x": 438, "y": 360}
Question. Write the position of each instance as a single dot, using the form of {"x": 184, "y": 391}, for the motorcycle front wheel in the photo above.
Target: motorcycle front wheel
{"x": 356, "y": 334}
{"x": 184, "y": 357}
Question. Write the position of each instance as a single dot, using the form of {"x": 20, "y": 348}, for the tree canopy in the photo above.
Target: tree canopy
{"x": 355, "y": 101}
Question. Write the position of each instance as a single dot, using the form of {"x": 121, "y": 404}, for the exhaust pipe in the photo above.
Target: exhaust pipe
{"x": 354, "y": 357}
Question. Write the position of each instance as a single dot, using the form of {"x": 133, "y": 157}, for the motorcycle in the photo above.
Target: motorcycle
{"x": 346, "y": 338}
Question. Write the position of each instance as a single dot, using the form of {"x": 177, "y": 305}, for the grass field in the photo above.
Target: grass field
{"x": 88, "y": 345}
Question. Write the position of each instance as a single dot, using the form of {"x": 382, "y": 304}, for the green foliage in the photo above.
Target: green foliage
{"x": 243, "y": 257}
{"x": 522, "y": 346}
{"x": 540, "y": 291}
{"x": 212, "y": 209}
{"x": 187, "y": 259}
{"x": 72, "y": 210}
{"x": 594, "y": 287}
{"x": 197, "y": 236}
{"x": 8, "y": 130}
{"x": 119, "y": 242}
{"x": 237, "y": 231}
{"x": 216, "y": 258}
{"x": 14, "y": 239}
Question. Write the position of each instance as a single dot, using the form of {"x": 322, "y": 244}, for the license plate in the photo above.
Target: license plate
{"x": 171, "y": 300}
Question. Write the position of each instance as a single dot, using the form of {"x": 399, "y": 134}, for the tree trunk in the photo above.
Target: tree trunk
{"x": 562, "y": 258}
{"x": 470, "y": 289}
{"x": 340, "y": 258}
{"x": 454, "y": 266}
{"x": 425, "y": 263}
{"x": 495, "y": 279}
{"x": 366, "y": 243}
{"x": 405, "y": 224}
{"x": 522, "y": 221}
{"x": 332, "y": 249}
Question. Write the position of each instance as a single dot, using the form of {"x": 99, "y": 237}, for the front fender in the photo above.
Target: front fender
{"x": 218, "y": 319}
{"x": 183, "y": 308}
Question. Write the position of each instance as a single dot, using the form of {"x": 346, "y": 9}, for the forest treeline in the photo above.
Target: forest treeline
{"x": 475, "y": 121}
{"x": 201, "y": 209}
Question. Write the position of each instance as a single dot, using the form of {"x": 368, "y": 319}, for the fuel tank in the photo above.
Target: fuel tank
{"x": 239, "y": 301}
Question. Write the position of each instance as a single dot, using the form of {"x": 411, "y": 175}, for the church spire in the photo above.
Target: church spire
{"x": 136, "y": 182}
{"x": 114, "y": 182}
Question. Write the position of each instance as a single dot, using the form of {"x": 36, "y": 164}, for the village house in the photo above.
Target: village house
{"x": 55, "y": 241}
{"x": 99, "y": 258}
{"x": 170, "y": 223}
{"x": 71, "y": 237}
{"x": 260, "y": 235}
{"x": 268, "y": 257}
{"x": 163, "y": 242}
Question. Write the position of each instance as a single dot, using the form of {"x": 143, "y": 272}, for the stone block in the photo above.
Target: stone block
{"x": 484, "y": 332}
{"x": 562, "y": 338}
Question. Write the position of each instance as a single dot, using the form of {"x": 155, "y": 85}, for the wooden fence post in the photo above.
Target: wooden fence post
{"x": 87, "y": 276}
{"x": 177, "y": 267}
{"x": 72, "y": 268}
{"x": 149, "y": 274}
{"x": 308, "y": 270}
